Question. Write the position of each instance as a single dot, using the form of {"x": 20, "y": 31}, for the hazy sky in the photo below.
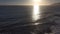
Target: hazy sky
{"x": 15, "y": 2}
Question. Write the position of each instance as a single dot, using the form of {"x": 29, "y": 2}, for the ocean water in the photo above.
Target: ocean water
{"x": 12, "y": 18}
{"x": 14, "y": 13}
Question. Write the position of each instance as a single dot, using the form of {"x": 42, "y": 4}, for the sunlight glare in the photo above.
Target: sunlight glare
{"x": 36, "y": 10}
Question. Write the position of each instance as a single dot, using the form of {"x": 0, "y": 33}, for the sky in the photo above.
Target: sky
{"x": 19, "y": 2}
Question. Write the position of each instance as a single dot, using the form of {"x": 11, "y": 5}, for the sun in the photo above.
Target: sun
{"x": 36, "y": 1}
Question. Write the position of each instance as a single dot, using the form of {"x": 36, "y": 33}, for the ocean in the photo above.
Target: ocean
{"x": 13, "y": 19}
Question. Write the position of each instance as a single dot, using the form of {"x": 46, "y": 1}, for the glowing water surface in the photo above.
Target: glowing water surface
{"x": 36, "y": 12}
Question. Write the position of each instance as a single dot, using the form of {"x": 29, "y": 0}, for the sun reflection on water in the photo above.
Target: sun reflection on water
{"x": 35, "y": 12}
